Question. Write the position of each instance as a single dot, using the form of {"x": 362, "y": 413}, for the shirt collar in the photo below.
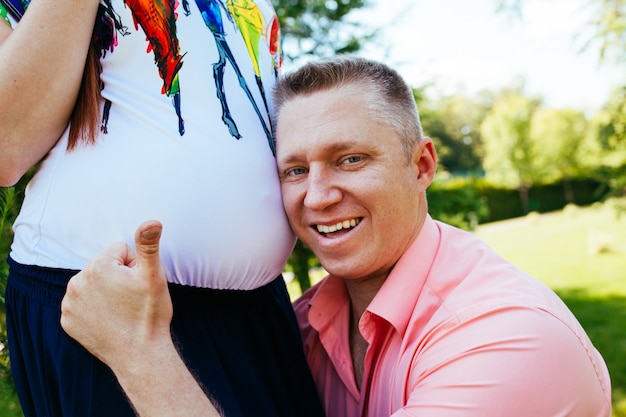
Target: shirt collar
{"x": 396, "y": 299}
{"x": 327, "y": 302}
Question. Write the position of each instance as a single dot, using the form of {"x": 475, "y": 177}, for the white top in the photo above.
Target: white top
{"x": 217, "y": 196}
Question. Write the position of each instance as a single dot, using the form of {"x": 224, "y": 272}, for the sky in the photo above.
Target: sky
{"x": 465, "y": 46}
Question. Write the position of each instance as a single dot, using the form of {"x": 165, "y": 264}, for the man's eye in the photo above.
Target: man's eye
{"x": 353, "y": 159}
{"x": 295, "y": 172}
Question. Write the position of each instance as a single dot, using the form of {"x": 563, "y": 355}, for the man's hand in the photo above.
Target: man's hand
{"x": 119, "y": 304}
{"x": 119, "y": 308}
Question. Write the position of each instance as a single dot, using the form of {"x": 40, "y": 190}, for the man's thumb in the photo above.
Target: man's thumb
{"x": 147, "y": 239}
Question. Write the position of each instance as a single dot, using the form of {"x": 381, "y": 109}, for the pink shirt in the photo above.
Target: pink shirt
{"x": 454, "y": 331}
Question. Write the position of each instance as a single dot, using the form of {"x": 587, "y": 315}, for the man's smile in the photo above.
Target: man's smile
{"x": 342, "y": 225}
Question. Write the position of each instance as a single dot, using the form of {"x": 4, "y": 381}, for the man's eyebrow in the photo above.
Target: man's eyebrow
{"x": 290, "y": 160}
{"x": 342, "y": 146}
{"x": 330, "y": 148}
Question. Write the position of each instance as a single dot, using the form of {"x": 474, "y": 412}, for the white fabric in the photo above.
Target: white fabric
{"x": 217, "y": 197}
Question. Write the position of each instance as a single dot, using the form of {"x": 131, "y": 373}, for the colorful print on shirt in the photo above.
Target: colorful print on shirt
{"x": 157, "y": 19}
{"x": 14, "y": 8}
{"x": 211, "y": 11}
{"x": 3, "y": 14}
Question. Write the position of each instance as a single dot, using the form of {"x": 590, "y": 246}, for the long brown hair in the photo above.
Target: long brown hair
{"x": 85, "y": 118}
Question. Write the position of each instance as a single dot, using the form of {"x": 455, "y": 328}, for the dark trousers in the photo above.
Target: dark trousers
{"x": 243, "y": 346}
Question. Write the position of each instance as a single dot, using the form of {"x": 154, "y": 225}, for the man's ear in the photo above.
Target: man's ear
{"x": 425, "y": 159}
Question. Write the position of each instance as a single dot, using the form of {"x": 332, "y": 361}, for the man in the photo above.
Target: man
{"x": 415, "y": 317}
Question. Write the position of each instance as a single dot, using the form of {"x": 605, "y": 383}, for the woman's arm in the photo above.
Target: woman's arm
{"x": 41, "y": 65}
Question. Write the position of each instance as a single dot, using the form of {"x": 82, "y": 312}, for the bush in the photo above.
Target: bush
{"x": 505, "y": 203}
{"x": 456, "y": 202}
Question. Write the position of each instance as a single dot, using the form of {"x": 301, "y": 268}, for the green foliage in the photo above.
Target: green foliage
{"x": 608, "y": 19}
{"x": 504, "y": 203}
{"x": 610, "y": 129}
{"x": 300, "y": 263}
{"x": 9, "y": 405}
{"x": 321, "y": 28}
{"x": 510, "y": 153}
{"x": 559, "y": 134}
{"x": 453, "y": 123}
{"x": 456, "y": 202}
{"x": 607, "y": 26}
{"x": 611, "y": 122}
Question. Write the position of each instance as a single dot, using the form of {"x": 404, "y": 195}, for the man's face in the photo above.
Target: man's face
{"x": 349, "y": 190}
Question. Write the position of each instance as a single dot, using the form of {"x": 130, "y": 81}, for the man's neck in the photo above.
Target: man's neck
{"x": 358, "y": 349}
{"x": 361, "y": 294}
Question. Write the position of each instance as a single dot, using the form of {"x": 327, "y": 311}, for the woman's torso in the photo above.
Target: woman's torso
{"x": 217, "y": 195}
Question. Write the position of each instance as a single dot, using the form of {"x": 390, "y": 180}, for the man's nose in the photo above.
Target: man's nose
{"x": 322, "y": 189}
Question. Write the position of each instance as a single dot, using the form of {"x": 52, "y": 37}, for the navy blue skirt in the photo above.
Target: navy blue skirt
{"x": 244, "y": 347}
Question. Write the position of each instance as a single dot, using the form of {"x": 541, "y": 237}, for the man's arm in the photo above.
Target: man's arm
{"x": 119, "y": 308}
{"x": 511, "y": 361}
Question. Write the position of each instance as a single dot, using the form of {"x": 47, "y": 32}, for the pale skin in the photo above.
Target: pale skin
{"x": 332, "y": 168}
{"x": 41, "y": 66}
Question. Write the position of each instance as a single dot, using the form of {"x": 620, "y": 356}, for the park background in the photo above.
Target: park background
{"x": 526, "y": 102}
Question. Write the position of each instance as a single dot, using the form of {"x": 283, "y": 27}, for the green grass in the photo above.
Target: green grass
{"x": 9, "y": 406}
{"x": 579, "y": 252}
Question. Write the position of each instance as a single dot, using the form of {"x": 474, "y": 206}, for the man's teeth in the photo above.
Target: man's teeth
{"x": 346, "y": 224}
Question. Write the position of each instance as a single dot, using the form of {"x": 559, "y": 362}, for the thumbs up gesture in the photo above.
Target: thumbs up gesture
{"x": 119, "y": 304}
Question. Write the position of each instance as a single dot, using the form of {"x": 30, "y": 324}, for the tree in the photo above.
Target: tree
{"x": 559, "y": 134}
{"x": 607, "y": 25}
{"x": 609, "y": 126}
{"x": 510, "y": 153}
{"x": 321, "y": 27}
{"x": 609, "y": 22}
{"x": 453, "y": 122}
